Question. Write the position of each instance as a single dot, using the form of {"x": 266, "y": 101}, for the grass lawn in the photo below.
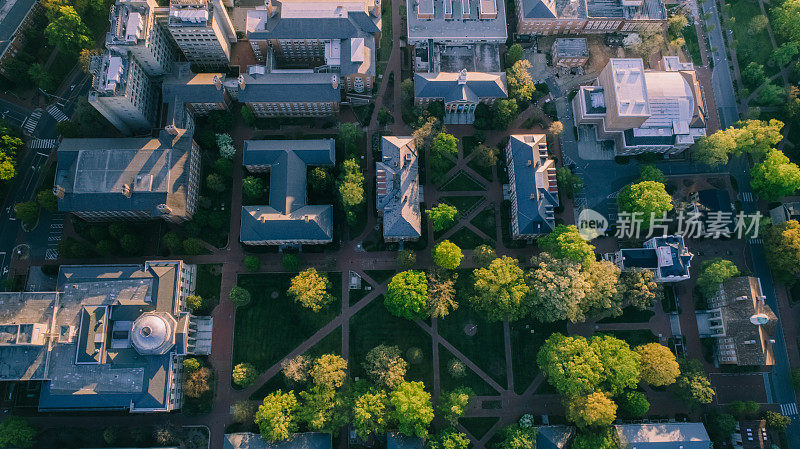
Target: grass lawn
{"x": 267, "y": 329}
{"x": 468, "y": 143}
{"x": 209, "y": 282}
{"x": 386, "y": 31}
{"x": 466, "y": 239}
{"x": 749, "y": 47}
{"x": 482, "y": 170}
{"x": 470, "y": 379}
{"x": 486, "y": 222}
{"x": 525, "y": 347}
{"x": 633, "y": 337}
{"x": 461, "y": 182}
{"x": 380, "y": 276}
{"x": 486, "y": 347}
{"x": 630, "y": 315}
{"x": 692, "y": 44}
{"x": 464, "y": 204}
{"x": 374, "y": 325}
{"x": 505, "y": 227}
{"x": 478, "y": 426}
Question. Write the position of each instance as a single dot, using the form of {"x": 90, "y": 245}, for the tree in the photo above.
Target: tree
{"x": 692, "y": 386}
{"x": 651, "y": 173}
{"x": 424, "y": 135}
{"x": 784, "y": 54}
{"x": 448, "y": 439}
{"x": 329, "y": 371}
{"x": 407, "y": 295}
{"x": 310, "y": 289}
{"x": 215, "y": 182}
{"x": 785, "y": 20}
{"x": 130, "y": 244}
{"x": 248, "y": 115}
{"x": 275, "y": 416}
{"x": 252, "y": 188}
{"x": 593, "y": 410}
{"x": 221, "y": 121}
{"x": 638, "y": 288}
{"x": 648, "y": 198}
{"x": 320, "y": 180}
{"x": 714, "y": 273}
{"x": 782, "y": 249}
{"x": 16, "y": 432}
{"x": 441, "y": 293}
{"x": 776, "y": 177}
{"x": 371, "y": 414}
{"x": 557, "y": 289}
{"x": 720, "y": 426}
{"x": 500, "y": 290}
{"x": 758, "y": 24}
{"x": 602, "y": 439}
{"x": 568, "y": 182}
{"x": 620, "y": 364}
{"x": 225, "y": 145}
{"x": 485, "y": 156}
{"x": 195, "y": 303}
{"x": 197, "y": 383}
{"x": 27, "y": 212}
{"x": 754, "y": 137}
{"x": 406, "y": 259}
{"x": 290, "y": 262}
{"x": 556, "y": 128}
{"x": 296, "y": 370}
{"x": 657, "y": 365}
{"x": 384, "y": 116}
{"x": 443, "y": 148}
{"x": 110, "y": 435}
{"x": 744, "y": 410}
{"x": 675, "y": 25}
{"x": 323, "y": 409}
{"x": 68, "y": 129}
{"x": 47, "y": 200}
{"x": 517, "y": 437}
{"x": 240, "y": 296}
{"x": 350, "y": 134}
{"x": 505, "y": 111}
{"x": 570, "y": 365}
{"x": 413, "y": 411}
{"x": 772, "y": 95}
{"x": 483, "y": 255}
{"x": 443, "y": 216}
{"x": 648, "y": 43}
{"x": 633, "y": 405}
{"x": 453, "y": 404}
{"x": 67, "y": 31}
{"x": 520, "y": 83}
{"x": 447, "y": 255}
{"x": 193, "y": 245}
{"x": 603, "y": 289}
{"x": 191, "y": 364}
{"x": 351, "y": 184}
{"x": 775, "y": 420}
{"x": 385, "y": 366}
{"x": 84, "y": 59}
{"x": 252, "y": 263}
{"x": 244, "y": 374}
{"x": 244, "y": 412}
{"x": 167, "y": 434}
{"x": 41, "y": 77}
{"x": 566, "y": 242}
{"x": 513, "y": 54}
{"x": 407, "y": 92}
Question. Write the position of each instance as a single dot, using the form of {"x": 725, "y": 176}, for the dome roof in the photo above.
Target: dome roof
{"x": 153, "y": 333}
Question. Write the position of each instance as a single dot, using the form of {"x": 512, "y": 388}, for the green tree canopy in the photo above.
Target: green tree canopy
{"x": 447, "y": 255}
{"x": 651, "y": 173}
{"x": 568, "y": 182}
{"x": 329, "y": 371}
{"x": 441, "y": 293}
{"x": 371, "y": 414}
{"x": 592, "y": 410}
{"x": 565, "y": 241}
{"x": 453, "y": 404}
{"x": 253, "y": 188}
{"x": 658, "y": 366}
{"x": 252, "y": 263}
{"x": 351, "y": 184}
{"x": 27, "y": 212}
{"x": 483, "y": 255}
{"x": 600, "y": 439}
{"x": 276, "y": 416}
{"x": 244, "y": 374}
{"x": 714, "y": 273}
{"x": 775, "y": 177}
{"x": 500, "y": 290}
{"x": 16, "y": 432}
{"x": 68, "y": 32}
{"x": 350, "y": 134}
{"x": 649, "y": 198}
{"x": 692, "y": 386}
{"x": 754, "y": 137}
{"x": 621, "y": 367}
{"x": 323, "y": 409}
{"x": 385, "y": 366}
{"x": 514, "y": 54}
{"x": 633, "y": 405}
{"x": 407, "y": 295}
{"x": 310, "y": 289}
{"x": 505, "y": 111}
{"x": 239, "y": 296}
{"x": 603, "y": 291}
{"x": 720, "y": 426}
{"x": 570, "y": 365}
{"x": 517, "y": 437}
{"x": 442, "y": 215}
{"x": 520, "y": 83}
{"x": 782, "y": 250}
{"x": 444, "y": 147}
{"x": 753, "y": 75}
{"x": 638, "y": 288}
{"x": 557, "y": 289}
{"x": 448, "y": 439}
{"x": 413, "y": 411}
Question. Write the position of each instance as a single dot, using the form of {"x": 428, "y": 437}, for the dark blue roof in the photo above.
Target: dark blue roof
{"x": 532, "y": 202}
{"x": 355, "y": 23}
{"x": 289, "y": 87}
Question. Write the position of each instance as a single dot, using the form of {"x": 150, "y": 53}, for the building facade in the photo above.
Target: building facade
{"x": 644, "y": 111}
{"x": 461, "y": 92}
{"x": 532, "y": 187}
{"x": 199, "y": 27}
{"x": 292, "y": 93}
{"x": 15, "y": 17}
{"x": 123, "y": 93}
{"x": 570, "y": 52}
{"x": 549, "y": 17}
{"x": 134, "y": 31}
{"x": 398, "y": 192}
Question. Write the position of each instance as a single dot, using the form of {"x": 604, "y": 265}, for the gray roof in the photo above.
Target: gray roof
{"x": 739, "y": 300}
{"x": 12, "y": 14}
{"x": 261, "y": 27}
{"x": 536, "y": 193}
{"x": 456, "y": 28}
{"x": 667, "y": 255}
{"x": 307, "y": 440}
{"x": 287, "y": 217}
{"x": 396, "y": 440}
{"x": 347, "y": 66}
{"x": 397, "y": 194}
{"x": 24, "y": 320}
{"x": 663, "y": 436}
{"x": 552, "y": 9}
{"x": 183, "y": 86}
{"x": 94, "y": 171}
{"x": 446, "y": 86}
{"x": 554, "y": 437}
{"x": 581, "y": 9}
{"x": 571, "y": 47}
{"x": 289, "y": 87}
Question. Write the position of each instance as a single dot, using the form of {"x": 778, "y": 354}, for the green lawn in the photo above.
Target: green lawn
{"x": 692, "y": 44}
{"x": 374, "y": 325}
{"x": 463, "y": 203}
{"x": 209, "y": 281}
{"x": 470, "y": 379}
{"x": 486, "y": 222}
{"x": 482, "y": 170}
{"x": 633, "y": 337}
{"x": 461, "y": 182}
{"x": 478, "y": 426}
{"x": 466, "y": 239}
{"x": 486, "y": 347}
{"x": 505, "y": 227}
{"x": 630, "y": 315}
{"x": 380, "y": 276}
{"x": 267, "y": 329}
{"x": 386, "y": 31}
{"x": 525, "y": 346}
{"x": 749, "y": 47}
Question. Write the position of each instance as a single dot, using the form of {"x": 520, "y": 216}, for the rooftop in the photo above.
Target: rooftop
{"x": 312, "y": 20}
{"x": 398, "y": 189}
{"x": 554, "y": 437}
{"x": 628, "y": 87}
{"x": 663, "y": 436}
{"x": 288, "y": 86}
{"x": 130, "y": 22}
{"x": 534, "y": 184}
{"x": 24, "y": 321}
{"x": 460, "y": 86}
{"x": 109, "y": 73}
{"x": 12, "y": 14}
{"x": 667, "y": 256}
{"x": 307, "y": 440}
{"x": 190, "y": 12}
{"x": 551, "y": 9}
{"x": 573, "y": 47}
{"x": 467, "y": 20}
{"x": 581, "y": 9}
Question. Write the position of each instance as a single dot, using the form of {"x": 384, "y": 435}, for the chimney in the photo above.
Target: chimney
{"x": 217, "y": 82}
{"x": 335, "y": 81}
{"x": 171, "y": 129}
{"x": 271, "y": 8}
{"x": 462, "y": 77}
{"x": 241, "y": 82}
{"x": 164, "y": 209}
{"x": 58, "y": 191}
{"x": 126, "y": 190}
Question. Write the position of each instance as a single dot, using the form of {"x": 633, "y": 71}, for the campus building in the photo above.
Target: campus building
{"x": 129, "y": 178}
{"x": 15, "y": 17}
{"x": 322, "y": 36}
{"x": 666, "y": 257}
{"x": 123, "y": 93}
{"x": 677, "y": 435}
{"x": 134, "y": 31}
{"x": 288, "y": 219}
{"x": 203, "y": 32}
{"x": 110, "y": 338}
{"x": 193, "y": 94}
{"x": 398, "y": 192}
{"x": 305, "y": 440}
{"x": 570, "y": 52}
{"x": 456, "y": 22}
{"x": 531, "y": 187}
{"x": 740, "y": 322}
{"x": 644, "y": 111}
{"x": 461, "y": 92}
{"x": 288, "y": 93}
{"x": 548, "y": 17}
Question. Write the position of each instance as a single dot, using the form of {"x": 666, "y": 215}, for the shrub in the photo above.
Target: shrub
{"x": 252, "y": 263}
{"x": 240, "y": 296}
{"x": 244, "y": 374}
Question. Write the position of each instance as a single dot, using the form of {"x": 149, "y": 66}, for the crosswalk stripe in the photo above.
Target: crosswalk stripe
{"x": 789, "y": 409}
{"x": 57, "y": 113}
{"x": 38, "y": 144}
{"x": 31, "y": 121}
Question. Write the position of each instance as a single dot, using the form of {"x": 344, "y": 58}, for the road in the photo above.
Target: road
{"x": 721, "y": 74}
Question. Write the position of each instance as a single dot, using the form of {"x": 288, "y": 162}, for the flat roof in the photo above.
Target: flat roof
{"x": 629, "y": 87}
{"x": 456, "y": 28}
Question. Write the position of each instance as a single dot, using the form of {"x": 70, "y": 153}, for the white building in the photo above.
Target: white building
{"x": 123, "y": 93}
{"x": 134, "y": 31}
{"x": 203, "y": 31}
{"x": 666, "y": 257}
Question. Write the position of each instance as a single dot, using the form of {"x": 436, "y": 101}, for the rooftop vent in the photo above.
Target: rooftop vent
{"x": 462, "y": 77}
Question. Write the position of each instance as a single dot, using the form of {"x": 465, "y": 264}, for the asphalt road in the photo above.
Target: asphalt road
{"x": 721, "y": 74}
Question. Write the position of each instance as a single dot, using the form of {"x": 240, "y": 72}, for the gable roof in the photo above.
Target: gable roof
{"x": 398, "y": 189}
{"x": 445, "y": 85}
{"x": 663, "y": 436}
{"x": 288, "y": 87}
{"x": 306, "y": 440}
{"x": 554, "y": 437}
{"x": 260, "y": 26}
{"x": 534, "y": 185}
